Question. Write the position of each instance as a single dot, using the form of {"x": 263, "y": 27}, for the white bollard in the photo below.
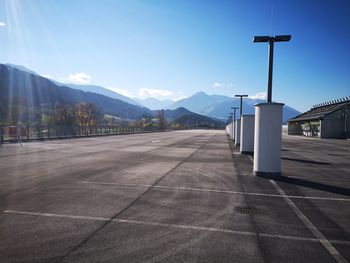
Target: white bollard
{"x": 247, "y": 134}
{"x": 238, "y": 132}
{"x": 228, "y": 130}
{"x": 233, "y": 130}
{"x": 267, "y": 139}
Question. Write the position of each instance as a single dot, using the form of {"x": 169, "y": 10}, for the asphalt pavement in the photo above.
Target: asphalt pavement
{"x": 184, "y": 196}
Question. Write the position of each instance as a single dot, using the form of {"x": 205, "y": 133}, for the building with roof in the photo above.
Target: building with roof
{"x": 326, "y": 120}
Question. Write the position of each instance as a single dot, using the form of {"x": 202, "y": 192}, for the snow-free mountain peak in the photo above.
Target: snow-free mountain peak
{"x": 219, "y": 106}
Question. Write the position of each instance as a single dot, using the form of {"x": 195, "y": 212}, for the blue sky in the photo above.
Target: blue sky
{"x": 172, "y": 49}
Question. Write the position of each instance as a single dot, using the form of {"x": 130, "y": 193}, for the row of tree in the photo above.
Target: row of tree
{"x": 81, "y": 114}
{"x": 19, "y": 112}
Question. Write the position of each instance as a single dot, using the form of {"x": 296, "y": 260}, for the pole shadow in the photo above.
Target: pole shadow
{"x": 318, "y": 186}
{"x": 304, "y": 161}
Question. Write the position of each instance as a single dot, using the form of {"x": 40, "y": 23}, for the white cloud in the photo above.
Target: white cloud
{"x": 155, "y": 93}
{"x": 123, "y": 92}
{"x": 217, "y": 85}
{"x": 222, "y": 85}
{"x": 2, "y": 24}
{"x": 259, "y": 96}
{"x": 80, "y": 77}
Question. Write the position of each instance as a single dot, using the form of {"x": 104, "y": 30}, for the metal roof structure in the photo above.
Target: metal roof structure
{"x": 319, "y": 111}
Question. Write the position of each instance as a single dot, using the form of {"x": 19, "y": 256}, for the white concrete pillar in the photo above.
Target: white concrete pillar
{"x": 268, "y": 139}
{"x": 238, "y": 132}
{"x": 232, "y": 131}
{"x": 247, "y": 134}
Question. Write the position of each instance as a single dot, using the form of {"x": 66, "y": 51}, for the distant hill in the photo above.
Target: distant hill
{"x": 219, "y": 106}
{"x": 193, "y": 120}
{"x": 88, "y": 88}
{"x": 199, "y": 101}
{"x": 38, "y": 91}
{"x": 102, "y": 91}
{"x": 187, "y": 118}
{"x": 155, "y": 104}
{"x": 21, "y": 68}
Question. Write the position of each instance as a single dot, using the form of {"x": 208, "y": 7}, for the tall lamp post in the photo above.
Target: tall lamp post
{"x": 231, "y": 118}
{"x": 238, "y": 122}
{"x": 240, "y": 103}
{"x": 271, "y": 40}
{"x": 268, "y": 123}
{"x": 234, "y": 122}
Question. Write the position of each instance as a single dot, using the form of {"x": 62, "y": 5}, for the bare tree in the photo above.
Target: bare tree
{"x": 87, "y": 114}
{"x": 63, "y": 115}
{"x": 17, "y": 111}
{"x": 161, "y": 119}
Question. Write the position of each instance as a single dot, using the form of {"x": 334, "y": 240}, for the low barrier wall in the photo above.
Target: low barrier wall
{"x": 27, "y": 133}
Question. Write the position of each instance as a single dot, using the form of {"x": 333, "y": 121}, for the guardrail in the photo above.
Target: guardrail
{"x": 19, "y": 133}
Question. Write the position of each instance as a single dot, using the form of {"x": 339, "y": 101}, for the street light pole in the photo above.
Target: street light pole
{"x": 234, "y": 112}
{"x": 268, "y": 123}
{"x": 231, "y": 135}
{"x": 238, "y": 122}
{"x": 240, "y": 105}
{"x": 231, "y": 114}
{"x": 234, "y": 122}
{"x": 271, "y": 40}
{"x": 269, "y": 81}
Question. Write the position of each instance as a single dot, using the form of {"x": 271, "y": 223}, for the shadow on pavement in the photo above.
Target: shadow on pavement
{"x": 314, "y": 185}
{"x": 304, "y": 161}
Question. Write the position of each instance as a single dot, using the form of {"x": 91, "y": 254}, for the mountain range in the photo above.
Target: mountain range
{"x": 35, "y": 91}
{"x": 102, "y": 91}
{"x": 185, "y": 117}
{"x": 215, "y": 106}
{"x": 23, "y": 81}
{"x": 88, "y": 88}
{"x": 219, "y": 106}
{"x": 21, "y": 86}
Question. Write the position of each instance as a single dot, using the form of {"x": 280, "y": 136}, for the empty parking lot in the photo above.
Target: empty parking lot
{"x": 185, "y": 196}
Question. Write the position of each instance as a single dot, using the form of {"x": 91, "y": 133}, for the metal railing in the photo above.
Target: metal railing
{"x": 19, "y": 133}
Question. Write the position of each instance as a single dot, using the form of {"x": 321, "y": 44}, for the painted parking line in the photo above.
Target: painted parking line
{"x": 322, "y": 239}
{"x": 56, "y": 215}
{"x": 217, "y": 191}
{"x": 178, "y": 226}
